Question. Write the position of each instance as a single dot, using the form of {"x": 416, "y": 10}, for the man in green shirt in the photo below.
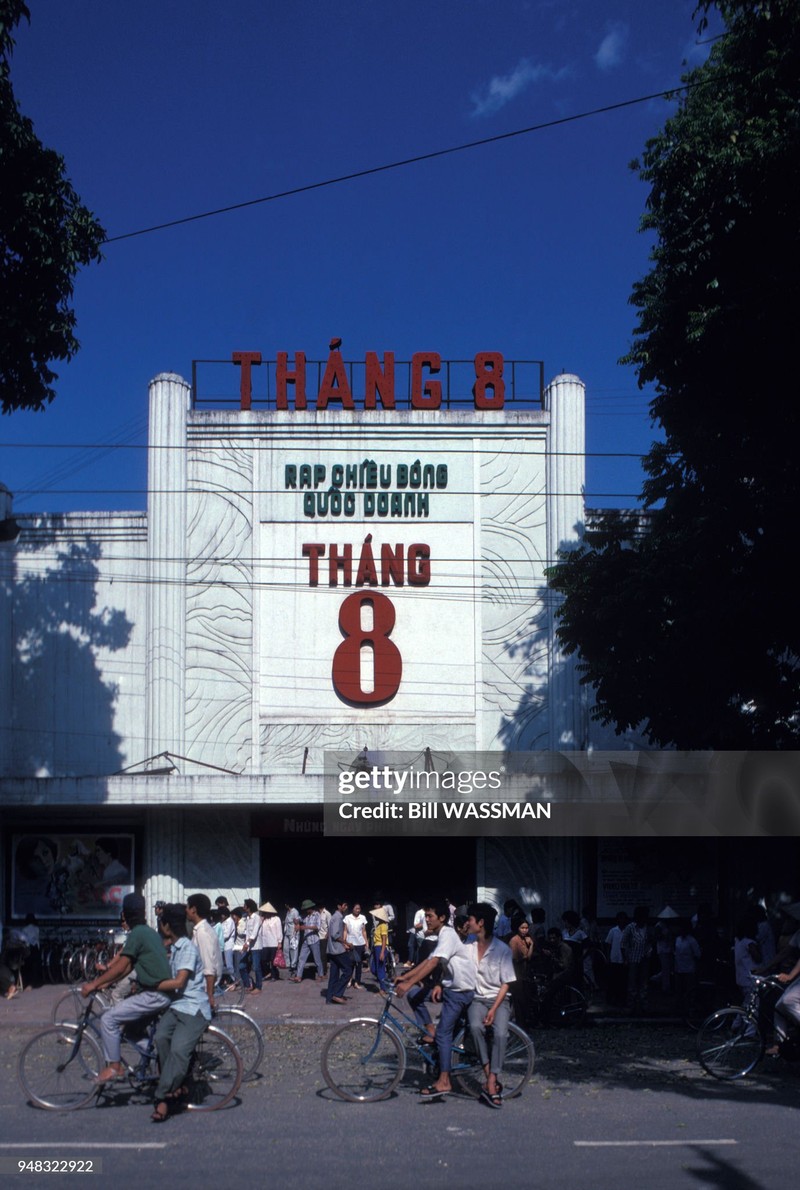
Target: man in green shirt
{"x": 144, "y": 954}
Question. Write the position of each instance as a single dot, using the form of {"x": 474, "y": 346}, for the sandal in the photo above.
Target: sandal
{"x": 432, "y": 1092}
{"x": 109, "y": 1075}
{"x": 491, "y": 1100}
{"x": 161, "y": 1112}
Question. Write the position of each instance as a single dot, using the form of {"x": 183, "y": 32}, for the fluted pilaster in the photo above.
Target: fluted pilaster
{"x": 166, "y": 597}
{"x": 565, "y": 399}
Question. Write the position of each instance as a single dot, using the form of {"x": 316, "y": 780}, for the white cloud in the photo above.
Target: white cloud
{"x": 612, "y": 47}
{"x": 504, "y": 87}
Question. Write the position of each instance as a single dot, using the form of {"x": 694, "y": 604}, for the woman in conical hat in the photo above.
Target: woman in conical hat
{"x": 271, "y": 940}
{"x": 380, "y": 944}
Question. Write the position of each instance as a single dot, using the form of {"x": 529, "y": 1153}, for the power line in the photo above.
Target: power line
{"x": 377, "y": 169}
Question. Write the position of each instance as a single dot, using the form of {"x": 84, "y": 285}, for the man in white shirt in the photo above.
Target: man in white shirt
{"x": 204, "y": 936}
{"x": 457, "y": 990}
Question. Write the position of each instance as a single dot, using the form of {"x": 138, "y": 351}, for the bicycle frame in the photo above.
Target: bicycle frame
{"x": 402, "y": 1023}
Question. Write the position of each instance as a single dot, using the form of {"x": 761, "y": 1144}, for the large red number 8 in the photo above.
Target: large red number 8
{"x": 387, "y": 663}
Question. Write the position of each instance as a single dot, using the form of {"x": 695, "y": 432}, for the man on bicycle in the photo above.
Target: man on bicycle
{"x": 458, "y": 988}
{"x": 144, "y": 954}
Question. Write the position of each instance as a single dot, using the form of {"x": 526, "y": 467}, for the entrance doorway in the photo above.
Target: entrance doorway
{"x": 405, "y": 872}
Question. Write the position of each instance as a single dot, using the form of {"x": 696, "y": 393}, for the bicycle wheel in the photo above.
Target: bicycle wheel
{"x": 231, "y": 996}
{"x": 215, "y": 1072}
{"x": 729, "y": 1044}
{"x": 246, "y": 1036}
{"x": 363, "y": 1061}
{"x": 467, "y": 1071}
{"x": 53, "y": 964}
{"x": 58, "y": 1067}
{"x": 74, "y": 967}
{"x": 567, "y": 1007}
{"x": 70, "y": 1007}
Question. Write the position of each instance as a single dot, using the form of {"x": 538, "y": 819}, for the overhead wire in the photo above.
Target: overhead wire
{"x": 415, "y": 159}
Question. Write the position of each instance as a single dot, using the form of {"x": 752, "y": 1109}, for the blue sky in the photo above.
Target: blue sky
{"x": 527, "y": 246}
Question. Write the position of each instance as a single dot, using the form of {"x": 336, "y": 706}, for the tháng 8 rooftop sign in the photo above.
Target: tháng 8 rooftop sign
{"x": 376, "y": 382}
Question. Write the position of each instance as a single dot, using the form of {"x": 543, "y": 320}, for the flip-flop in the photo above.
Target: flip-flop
{"x": 432, "y": 1092}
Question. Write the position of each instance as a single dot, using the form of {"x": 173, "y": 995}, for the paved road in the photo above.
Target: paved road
{"x": 606, "y": 1103}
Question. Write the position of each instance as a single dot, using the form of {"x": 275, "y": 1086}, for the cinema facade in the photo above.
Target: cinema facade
{"x": 336, "y": 557}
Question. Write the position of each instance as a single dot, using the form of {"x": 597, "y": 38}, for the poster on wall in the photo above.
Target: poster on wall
{"x": 680, "y": 873}
{"x": 63, "y": 875}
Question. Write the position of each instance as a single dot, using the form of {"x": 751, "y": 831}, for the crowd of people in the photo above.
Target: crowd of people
{"x": 476, "y": 962}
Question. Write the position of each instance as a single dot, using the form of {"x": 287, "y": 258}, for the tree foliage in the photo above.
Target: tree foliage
{"x": 690, "y": 628}
{"x": 46, "y": 234}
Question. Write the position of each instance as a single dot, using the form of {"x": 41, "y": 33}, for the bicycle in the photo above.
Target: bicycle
{"x": 556, "y": 1004}
{"x": 731, "y": 1041}
{"x": 246, "y": 1035}
{"x": 238, "y": 1024}
{"x": 365, "y": 1059}
{"x": 58, "y": 1067}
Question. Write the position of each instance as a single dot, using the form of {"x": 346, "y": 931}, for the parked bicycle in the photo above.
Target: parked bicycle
{"x": 58, "y": 1067}
{"x": 555, "y": 1005}
{"x": 731, "y": 1041}
{"x": 365, "y": 1059}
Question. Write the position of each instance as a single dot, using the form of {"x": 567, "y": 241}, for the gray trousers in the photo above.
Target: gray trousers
{"x": 134, "y": 1008}
{"x": 475, "y": 1014}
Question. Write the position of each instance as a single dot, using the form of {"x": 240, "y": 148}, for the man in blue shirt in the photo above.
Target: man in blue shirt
{"x": 185, "y": 1021}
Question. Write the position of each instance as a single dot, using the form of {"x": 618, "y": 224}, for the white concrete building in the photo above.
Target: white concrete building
{"x": 304, "y": 580}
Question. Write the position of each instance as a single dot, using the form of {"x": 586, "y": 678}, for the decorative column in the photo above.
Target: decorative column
{"x": 166, "y": 578}
{"x": 164, "y": 857}
{"x": 565, "y": 400}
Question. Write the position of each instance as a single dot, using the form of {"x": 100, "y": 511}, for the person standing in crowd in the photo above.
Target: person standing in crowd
{"x": 252, "y": 948}
{"x": 198, "y": 910}
{"x": 490, "y": 1007}
{"x": 380, "y": 945}
{"x": 522, "y": 952}
{"x": 382, "y": 903}
{"x": 308, "y": 928}
{"x": 324, "y": 923}
{"x": 565, "y": 965}
{"x": 538, "y": 925}
{"x": 746, "y": 955}
{"x": 416, "y": 935}
{"x": 271, "y": 938}
{"x": 340, "y": 959}
{"x": 183, "y": 1024}
{"x": 239, "y": 916}
{"x": 686, "y": 956}
{"x": 637, "y": 949}
{"x": 617, "y": 971}
{"x": 291, "y": 938}
{"x": 764, "y": 936}
{"x": 457, "y": 989}
{"x": 356, "y": 937}
{"x": 664, "y": 946}
{"x": 228, "y": 943}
